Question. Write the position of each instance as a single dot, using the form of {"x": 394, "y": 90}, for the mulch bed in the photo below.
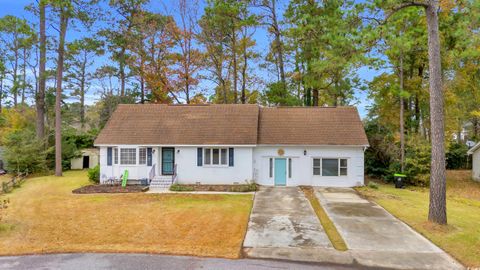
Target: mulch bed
{"x": 109, "y": 189}
{"x": 219, "y": 188}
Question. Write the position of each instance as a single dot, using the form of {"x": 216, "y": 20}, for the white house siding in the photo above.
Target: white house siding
{"x": 476, "y": 165}
{"x": 187, "y": 170}
{"x": 135, "y": 172}
{"x": 189, "y": 173}
{"x": 302, "y": 165}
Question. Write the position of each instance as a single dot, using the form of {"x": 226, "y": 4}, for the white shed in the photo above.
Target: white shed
{"x": 89, "y": 159}
{"x": 475, "y": 152}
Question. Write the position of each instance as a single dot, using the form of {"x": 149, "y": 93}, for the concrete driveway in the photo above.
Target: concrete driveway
{"x": 376, "y": 238}
{"x": 283, "y": 219}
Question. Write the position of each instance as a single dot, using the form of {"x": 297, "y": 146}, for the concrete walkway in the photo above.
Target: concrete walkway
{"x": 376, "y": 238}
{"x": 282, "y": 217}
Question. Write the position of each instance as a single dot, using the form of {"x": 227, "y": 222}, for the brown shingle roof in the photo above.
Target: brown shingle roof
{"x": 311, "y": 126}
{"x": 181, "y": 124}
{"x": 153, "y": 124}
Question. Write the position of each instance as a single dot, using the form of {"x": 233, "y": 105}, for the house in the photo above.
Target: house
{"x": 88, "y": 159}
{"x": 230, "y": 144}
{"x": 475, "y": 152}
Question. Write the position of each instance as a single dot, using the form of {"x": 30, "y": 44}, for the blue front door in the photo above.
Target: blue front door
{"x": 280, "y": 172}
{"x": 168, "y": 160}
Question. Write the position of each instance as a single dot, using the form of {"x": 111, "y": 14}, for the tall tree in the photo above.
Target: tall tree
{"x": 437, "y": 211}
{"x": 190, "y": 59}
{"x": 117, "y": 36}
{"x": 437, "y": 208}
{"x": 17, "y": 36}
{"x": 222, "y": 26}
{"x": 327, "y": 36}
{"x": 78, "y": 62}
{"x": 40, "y": 95}
{"x": 64, "y": 10}
{"x": 152, "y": 40}
{"x": 270, "y": 18}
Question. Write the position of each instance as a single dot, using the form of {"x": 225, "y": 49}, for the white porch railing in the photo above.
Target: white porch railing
{"x": 151, "y": 175}
{"x": 174, "y": 176}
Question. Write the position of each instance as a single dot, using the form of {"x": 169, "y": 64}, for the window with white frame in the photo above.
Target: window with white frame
{"x": 330, "y": 166}
{"x": 142, "y": 156}
{"x": 115, "y": 155}
{"x": 128, "y": 156}
{"x": 215, "y": 156}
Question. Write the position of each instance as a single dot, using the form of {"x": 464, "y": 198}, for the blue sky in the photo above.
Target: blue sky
{"x": 17, "y": 8}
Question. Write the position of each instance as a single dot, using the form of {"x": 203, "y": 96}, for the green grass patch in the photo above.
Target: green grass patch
{"x": 178, "y": 187}
{"x": 330, "y": 229}
{"x": 461, "y": 237}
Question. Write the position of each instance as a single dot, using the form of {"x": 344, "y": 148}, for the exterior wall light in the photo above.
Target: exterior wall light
{"x": 304, "y": 152}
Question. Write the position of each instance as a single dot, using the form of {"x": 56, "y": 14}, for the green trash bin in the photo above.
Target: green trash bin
{"x": 399, "y": 180}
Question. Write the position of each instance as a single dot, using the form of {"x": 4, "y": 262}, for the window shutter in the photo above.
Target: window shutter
{"x": 109, "y": 156}
{"x": 230, "y": 157}
{"x": 149, "y": 156}
{"x": 199, "y": 157}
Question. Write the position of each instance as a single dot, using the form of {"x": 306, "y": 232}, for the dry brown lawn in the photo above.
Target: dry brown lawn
{"x": 5, "y": 178}
{"x": 45, "y": 217}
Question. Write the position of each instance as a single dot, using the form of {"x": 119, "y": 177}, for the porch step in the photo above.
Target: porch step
{"x": 161, "y": 182}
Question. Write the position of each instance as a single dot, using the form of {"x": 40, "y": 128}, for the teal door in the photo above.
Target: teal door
{"x": 168, "y": 159}
{"x": 280, "y": 172}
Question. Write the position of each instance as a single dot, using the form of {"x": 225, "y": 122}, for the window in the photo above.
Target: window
{"x": 316, "y": 166}
{"x": 115, "y": 155}
{"x": 216, "y": 156}
{"x": 224, "y": 156}
{"x": 207, "y": 156}
{"x": 289, "y": 168}
{"x": 128, "y": 156}
{"x": 343, "y": 166}
{"x": 271, "y": 168}
{"x": 330, "y": 166}
{"x": 142, "y": 156}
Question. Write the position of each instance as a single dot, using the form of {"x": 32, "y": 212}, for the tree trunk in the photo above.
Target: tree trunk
{"x": 58, "y": 98}
{"x": 438, "y": 207}
{"x": 1, "y": 91}
{"x": 278, "y": 44}
{"x": 15, "y": 82}
{"x": 187, "y": 89}
{"x": 82, "y": 103}
{"x": 315, "y": 97}
{"x": 142, "y": 90}
{"x": 234, "y": 56}
{"x": 24, "y": 73}
{"x": 244, "y": 76}
{"x": 40, "y": 96}
{"x": 122, "y": 72}
{"x": 244, "y": 69}
{"x": 402, "y": 121}
{"x": 82, "y": 90}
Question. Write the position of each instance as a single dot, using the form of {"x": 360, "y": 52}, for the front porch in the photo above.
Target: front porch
{"x": 143, "y": 164}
